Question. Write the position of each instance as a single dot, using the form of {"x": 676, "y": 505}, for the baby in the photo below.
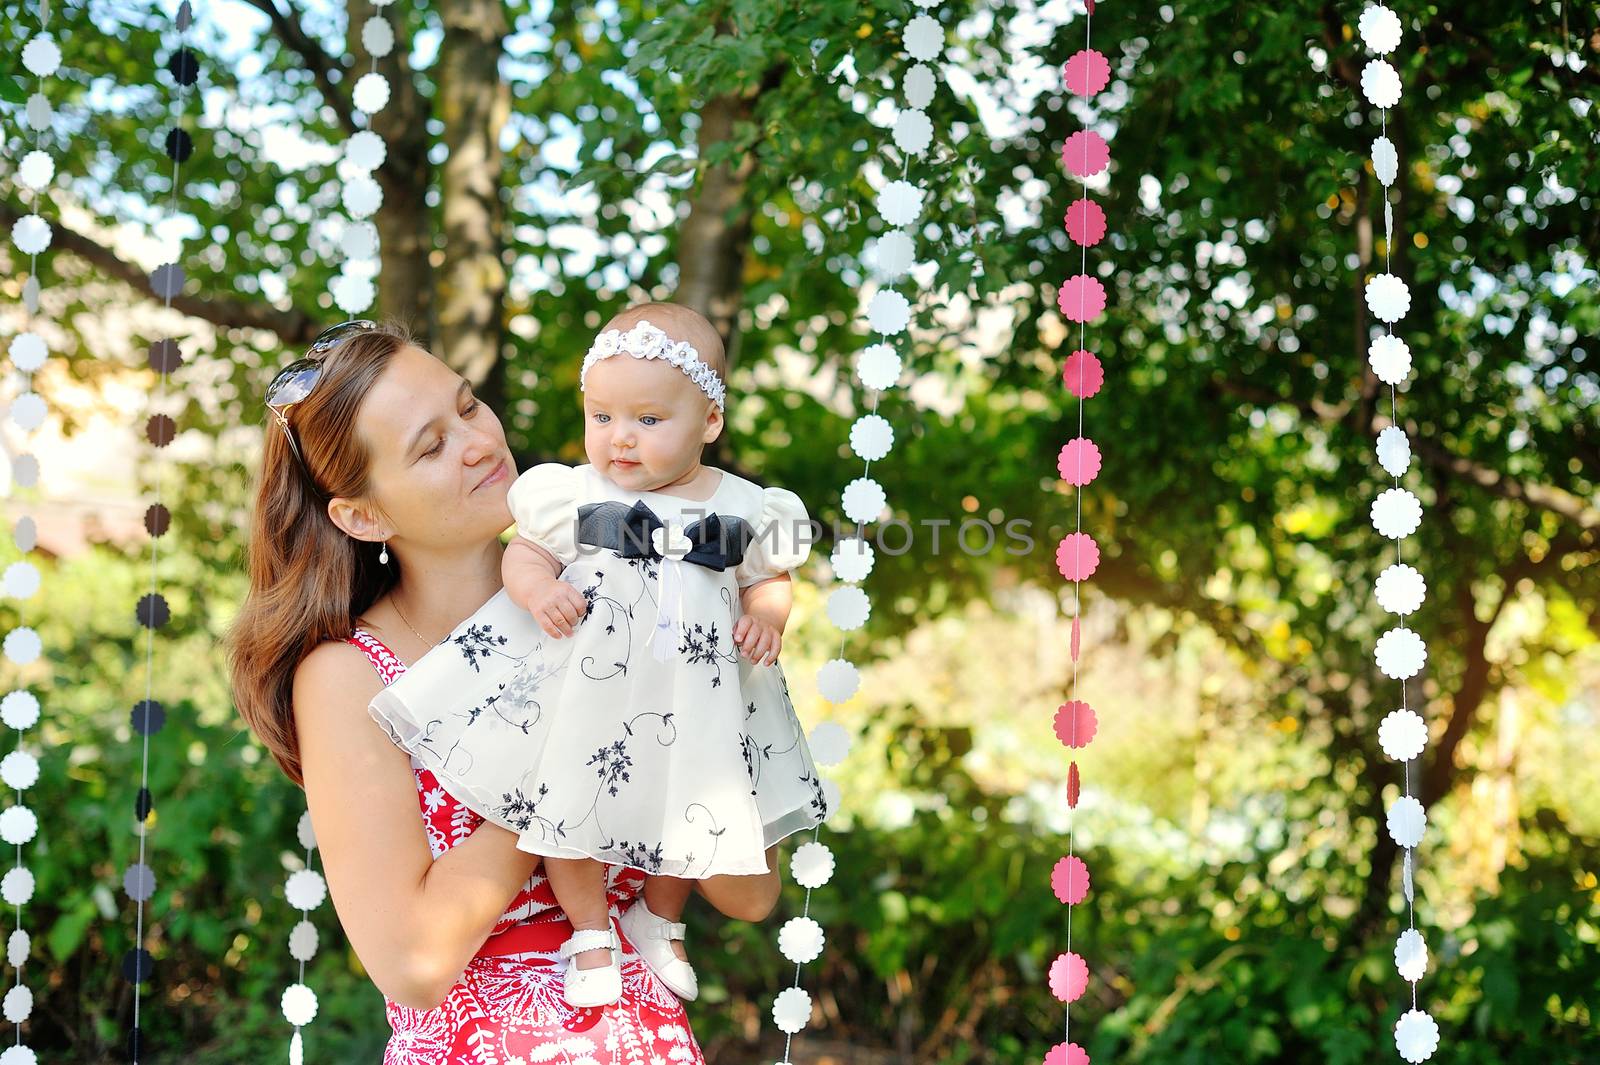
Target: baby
{"x": 620, "y": 701}
{"x": 647, "y": 420}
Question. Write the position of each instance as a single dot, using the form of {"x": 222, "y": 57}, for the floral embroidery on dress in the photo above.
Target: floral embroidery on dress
{"x": 643, "y": 737}
{"x": 509, "y": 1009}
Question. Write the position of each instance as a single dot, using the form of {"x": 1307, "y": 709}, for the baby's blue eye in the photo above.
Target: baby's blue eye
{"x": 649, "y": 419}
{"x": 601, "y": 417}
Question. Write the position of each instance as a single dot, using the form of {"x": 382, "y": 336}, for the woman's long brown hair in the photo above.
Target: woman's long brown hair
{"x": 309, "y": 579}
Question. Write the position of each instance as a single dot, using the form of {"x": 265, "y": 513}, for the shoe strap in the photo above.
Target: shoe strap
{"x": 669, "y": 929}
{"x": 658, "y": 927}
{"x": 588, "y": 939}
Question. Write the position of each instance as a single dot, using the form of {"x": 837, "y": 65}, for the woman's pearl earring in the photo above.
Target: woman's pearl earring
{"x": 383, "y": 556}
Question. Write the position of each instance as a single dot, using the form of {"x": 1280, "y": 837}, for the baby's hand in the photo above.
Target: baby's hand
{"x": 758, "y": 639}
{"x": 556, "y": 606}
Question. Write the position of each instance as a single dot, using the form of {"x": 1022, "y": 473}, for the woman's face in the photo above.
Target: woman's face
{"x": 440, "y": 466}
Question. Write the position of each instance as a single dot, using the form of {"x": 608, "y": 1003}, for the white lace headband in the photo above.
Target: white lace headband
{"x": 646, "y": 341}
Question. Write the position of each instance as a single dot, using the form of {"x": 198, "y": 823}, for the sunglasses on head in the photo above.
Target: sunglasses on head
{"x": 295, "y": 381}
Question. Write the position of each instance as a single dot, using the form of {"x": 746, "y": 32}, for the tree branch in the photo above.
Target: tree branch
{"x": 286, "y": 24}
{"x": 1339, "y": 60}
{"x": 1546, "y": 497}
{"x": 293, "y": 327}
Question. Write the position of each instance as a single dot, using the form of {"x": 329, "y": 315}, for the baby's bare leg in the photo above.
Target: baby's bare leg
{"x": 580, "y": 887}
{"x": 666, "y": 896}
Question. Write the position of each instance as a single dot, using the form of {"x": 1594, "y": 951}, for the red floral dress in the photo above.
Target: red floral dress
{"x": 507, "y": 1007}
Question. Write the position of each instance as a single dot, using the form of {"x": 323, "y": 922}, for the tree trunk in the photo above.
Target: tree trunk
{"x": 712, "y": 242}
{"x": 474, "y": 103}
{"x": 405, "y": 233}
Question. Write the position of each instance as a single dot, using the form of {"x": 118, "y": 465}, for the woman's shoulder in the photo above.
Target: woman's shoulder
{"x": 342, "y": 670}
{"x": 332, "y": 689}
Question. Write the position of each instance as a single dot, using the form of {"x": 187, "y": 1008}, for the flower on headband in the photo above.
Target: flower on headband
{"x": 647, "y": 341}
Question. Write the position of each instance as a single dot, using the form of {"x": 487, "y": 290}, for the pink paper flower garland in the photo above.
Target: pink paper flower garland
{"x": 1081, "y": 299}
{"x": 1396, "y": 513}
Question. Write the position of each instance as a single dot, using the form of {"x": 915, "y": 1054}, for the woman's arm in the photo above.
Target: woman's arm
{"x": 742, "y": 897}
{"x": 414, "y": 921}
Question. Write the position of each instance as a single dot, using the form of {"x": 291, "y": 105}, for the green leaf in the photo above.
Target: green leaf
{"x": 67, "y": 931}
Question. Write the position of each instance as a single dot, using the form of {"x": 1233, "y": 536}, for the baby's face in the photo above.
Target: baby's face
{"x": 645, "y": 422}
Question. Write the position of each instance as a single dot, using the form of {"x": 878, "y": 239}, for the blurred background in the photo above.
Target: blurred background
{"x": 549, "y": 163}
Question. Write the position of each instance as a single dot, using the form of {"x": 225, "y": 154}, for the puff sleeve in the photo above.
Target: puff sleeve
{"x": 544, "y": 504}
{"x": 782, "y": 538}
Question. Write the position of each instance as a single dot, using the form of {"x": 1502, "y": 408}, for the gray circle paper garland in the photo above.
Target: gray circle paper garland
{"x": 152, "y": 612}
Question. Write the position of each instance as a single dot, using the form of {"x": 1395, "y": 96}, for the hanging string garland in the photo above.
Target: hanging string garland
{"x": 1081, "y": 299}
{"x": 354, "y": 289}
{"x": 152, "y": 611}
{"x": 878, "y": 368}
{"x": 305, "y": 891}
{"x": 1396, "y": 513}
{"x": 19, "y": 709}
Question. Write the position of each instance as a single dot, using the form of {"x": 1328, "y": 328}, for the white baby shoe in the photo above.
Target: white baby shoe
{"x": 650, "y": 935}
{"x": 601, "y": 985}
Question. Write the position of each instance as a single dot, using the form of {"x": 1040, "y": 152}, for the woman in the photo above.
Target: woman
{"x": 376, "y": 529}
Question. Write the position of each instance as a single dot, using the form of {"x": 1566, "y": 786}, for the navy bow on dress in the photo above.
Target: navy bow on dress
{"x": 715, "y": 541}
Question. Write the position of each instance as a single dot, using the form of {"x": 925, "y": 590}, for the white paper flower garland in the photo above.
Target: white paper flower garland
{"x": 1081, "y": 299}
{"x": 899, "y": 203}
{"x": 355, "y": 288}
{"x": 19, "y": 709}
{"x": 1397, "y": 513}
{"x": 306, "y": 890}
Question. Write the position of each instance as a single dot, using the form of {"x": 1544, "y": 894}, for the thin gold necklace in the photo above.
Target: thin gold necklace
{"x": 395, "y": 602}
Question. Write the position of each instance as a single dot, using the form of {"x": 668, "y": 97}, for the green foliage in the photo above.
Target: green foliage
{"x": 1237, "y": 422}
{"x": 940, "y": 949}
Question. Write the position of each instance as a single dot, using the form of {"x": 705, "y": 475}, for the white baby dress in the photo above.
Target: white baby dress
{"x": 665, "y": 750}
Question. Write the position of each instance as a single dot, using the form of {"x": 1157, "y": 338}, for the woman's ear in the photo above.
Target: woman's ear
{"x": 355, "y": 520}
